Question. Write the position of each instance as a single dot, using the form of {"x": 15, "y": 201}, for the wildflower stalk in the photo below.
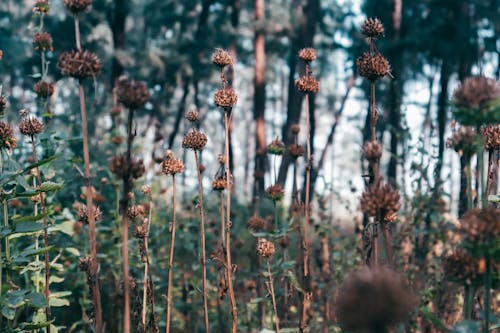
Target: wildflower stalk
{"x": 487, "y": 294}
{"x": 202, "y": 235}
{"x": 171, "y": 257}
{"x": 489, "y": 175}
{"x": 375, "y": 171}
{"x": 222, "y": 220}
{"x": 147, "y": 266}
{"x": 271, "y": 289}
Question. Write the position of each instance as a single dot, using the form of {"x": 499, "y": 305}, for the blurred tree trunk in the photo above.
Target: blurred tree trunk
{"x": 307, "y": 16}
{"x": 259, "y": 99}
{"x": 442, "y": 117}
{"x": 117, "y": 23}
{"x": 180, "y": 112}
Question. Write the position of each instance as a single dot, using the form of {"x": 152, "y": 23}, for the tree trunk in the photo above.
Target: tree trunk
{"x": 119, "y": 17}
{"x": 442, "y": 116}
{"x": 180, "y": 113}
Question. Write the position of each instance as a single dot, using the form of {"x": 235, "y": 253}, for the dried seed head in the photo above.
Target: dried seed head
{"x": 132, "y": 94}
{"x": 140, "y": 231}
{"x": 380, "y": 199}
{"x": 276, "y": 147}
{"x": 219, "y": 184}
{"x": 221, "y": 159}
{"x": 146, "y": 190}
{"x": 295, "y": 128}
{"x": 391, "y": 217}
{"x": 491, "y": 136}
{"x": 275, "y": 192}
{"x": 464, "y": 141}
{"x": 118, "y": 166}
{"x": 43, "y": 89}
{"x": 193, "y": 116}
{"x": 356, "y": 295}
{"x": 83, "y": 214}
{"x": 461, "y": 266}
{"x": 373, "y": 66}
{"x": 372, "y": 151}
{"x": 307, "y": 84}
{"x": 30, "y": 126}
{"x": 3, "y": 104}
{"x": 222, "y": 58}
{"x": 372, "y": 28}
{"x": 295, "y": 151}
{"x": 77, "y": 6}
{"x": 195, "y": 140}
{"x": 41, "y": 7}
{"x": 307, "y": 54}
{"x": 85, "y": 263}
{"x": 481, "y": 226}
{"x": 137, "y": 168}
{"x": 79, "y": 64}
{"x": 476, "y": 92}
{"x": 202, "y": 168}
{"x": 171, "y": 165}
{"x": 225, "y": 98}
{"x": 265, "y": 248}
{"x": 7, "y": 140}
{"x": 135, "y": 211}
{"x": 43, "y": 42}
{"x": 256, "y": 223}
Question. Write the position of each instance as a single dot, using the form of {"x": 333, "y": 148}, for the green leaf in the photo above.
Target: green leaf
{"x": 293, "y": 280}
{"x": 50, "y": 187}
{"x": 73, "y": 251}
{"x": 37, "y": 300}
{"x": 8, "y": 312}
{"x": 27, "y": 227}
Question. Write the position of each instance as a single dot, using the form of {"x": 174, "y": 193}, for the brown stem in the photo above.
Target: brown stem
{"x": 202, "y": 235}
{"x": 171, "y": 258}
{"x": 375, "y": 243}
{"x": 222, "y": 220}
{"x": 271, "y": 287}
{"x": 147, "y": 266}
{"x": 77, "y": 33}
{"x": 45, "y": 235}
{"x": 489, "y": 174}
{"x": 373, "y": 111}
{"x": 229, "y": 265}
{"x": 387, "y": 241}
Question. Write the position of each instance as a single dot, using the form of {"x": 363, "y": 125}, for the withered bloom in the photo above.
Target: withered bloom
{"x": 265, "y": 248}
{"x": 256, "y": 223}
{"x": 192, "y": 116}
{"x": 354, "y": 301}
{"x": 380, "y": 199}
{"x": 77, "y": 6}
{"x": 373, "y": 66}
{"x": 132, "y": 94}
{"x": 481, "y": 226}
{"x": 194, "y": 139}
{"x": 275, "y": 192}
{"x": 3, "y": 104}
{"x": 80, "y": 64}
{"x": 295, "y": 151}
{"x": 225, "y": 98}
{"x": 83, "y": 214}
{"x": 372, "y": 28}
{"x": 222, "y": 58}
{"x": 219, "y": 184}
{"x": 171, "y": 165}
{"x": 43, "y": 89}
{"x": 307, "y": 84}
{"x": 460, "y": 266}
{"x": 464, "y": 141}
{"x": 307, "y": 54}
{"x": 491, "y": 135}
{"x": 43, "y": 42}
{"x": 7, "y": 140}
{"x": 372, "y": 151}
{"x": 30, "y": 126}
{"x": 276, "y": 147}
{"x": 41, "y": 7}
{"x": 118, "y": 166}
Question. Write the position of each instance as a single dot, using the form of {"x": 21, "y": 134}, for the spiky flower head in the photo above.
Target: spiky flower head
{"x": 43, "y": 89}
{"x": 132, "y": 94}
{"x": 135, "y": 211}
{"x": 307, "y": 84}
{"x": 477, "y": 101}
{"x": 464, "y": 141}
{"x": 372, "y": 151}
{"x": 380, "y": 199}
{"x": 275, "y": 192}
{"x": 481, "y": 226}
{"x": 307, "y": 54}
{"x": 295, "y": 150}
{"x": 118, "y": 166}
{"x": 41, "y": 7}
{"x": 171, "y": 165}
{"x": 225, "y": 98}
{"x": 29, "y": 125}
{"x": 222, "y": 58}
{"x": 192, "y": 116}
{"x": 265, "y": 248}
{"x": 77, "y": 6}
{"x": 356, "y": 294}
{"x": 80, "y": 64}
{"x": 373, "y": 66}
{"x": 256, "y": 223}
{"x": 491, "y": 136}
{"x": 276, "y": 147}
{"x": 219, "y": 183}
{"x": 194, "y": 139}
{"x": 83, "y": 214}
{"x": 460, "y": 266}
{"x": 43, "y": 42}
{"x": 3, "y": 104}
{"x": 7, "y": 139}
{"x": 372, "y": 28}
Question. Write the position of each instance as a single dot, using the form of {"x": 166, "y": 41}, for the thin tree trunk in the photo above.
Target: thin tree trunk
{"x": 117, "y": 20}
{"x": 442, "y": 116}
{"x": 180, "y": 113}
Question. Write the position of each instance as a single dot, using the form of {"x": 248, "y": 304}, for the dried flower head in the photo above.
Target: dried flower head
{"x": 41, "y": 7}
{"x": 265, "y": 248}
{"x": 132, "y": 94}
{"x": 84, "y": 264}
{"x": 219, "y": 184}
{"x": 225, "y": 98}
{"x": 135, "y": 211}
{"x": 79, "y": 64}
{"x": 275, "y": 192}
{"x": 192, "y": 116}
{"x": 171, "y": 165}
{"x": 356, "y": 294}
{"x": 307, "y": 54}
{"x": 284, "y": 241}
{"x": 194, "y": 139}
{"x": 137, "y": 168}
{"x": 307, "y": 84}
{"x": 7, "y": 140}
{"x": 373, "y": 66}
{"x": 380, "y": 199}
{"x": 372, "y": 28}
{"x": 464, "y": 141}
{"x": 276, "y": 147}
{"x": 477, "y": 101}
{"x": 43, "y": 89}
{"x": 30, "y": 126}
{"x": 481, "y": 226}
{"x": 43, "y": 42}
{"x": 372, "y": 151}
{"x": 77, "y": 6}
{"x": 118, "y": 166}
{"x": 222, "y": 58}
{"x": 256, "y": 223}
{"x": 461, "y": 266}
{"x": 146, "y": 190}
{"x": 221, "y": 159}
{"x": 295, "y": 128}
{"x": 140, "y": 231}
{"x": 83, "y": 214}
{"x": 3, "y": 104}
{"x": 295, "y": 150}
{"x": 491, "y": 136}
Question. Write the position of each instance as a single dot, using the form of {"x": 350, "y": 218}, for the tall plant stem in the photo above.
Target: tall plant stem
{"x": 487, "y": 294}
{"x": 387, "y": 242}
{"x": 45, "y": 234}
{"x": 469, "y": 291}
{"x": 95, "y": 285}
{"x": 489, "y": 176}
{"x": 305, "y": 246}
{"x": 171, "y": 258}
{"x": 222, "y": 220}
{"x": 147, "y": 266}
{"x": 271, "y": 288}
{"x": 373, "y": 111}
{"x": 202, "y": 236}
{"x": 480, "y": 166}
{"x": 229, "y": 265}
{"x": 470, "y": 200}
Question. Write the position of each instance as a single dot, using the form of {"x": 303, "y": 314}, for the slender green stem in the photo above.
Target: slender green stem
{"x": 480, "y": 165}
{"x": 271, "y": 288}
{"x": 469, "y": 292}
